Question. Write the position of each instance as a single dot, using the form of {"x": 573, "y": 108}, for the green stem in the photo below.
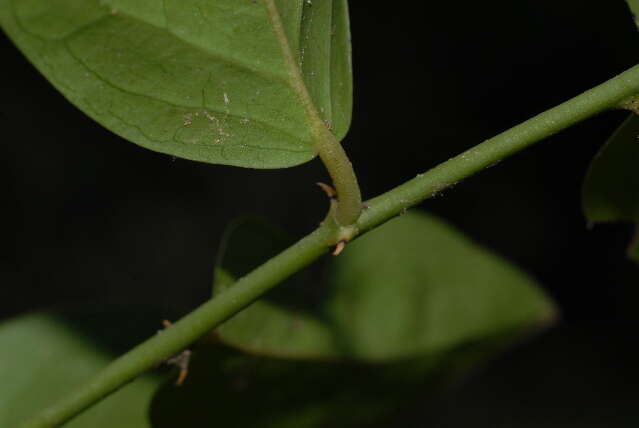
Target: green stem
{"x": 611, "y": 94}
{"x": 144, "y": 357}
{"x": 188, "y": 329}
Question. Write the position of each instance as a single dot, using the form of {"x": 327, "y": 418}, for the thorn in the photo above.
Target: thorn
{"x": 339, "y": 247}
{"x": 180, "y": 360}
{"x": 330, "y": 192}
{"x": 181, "y": 377}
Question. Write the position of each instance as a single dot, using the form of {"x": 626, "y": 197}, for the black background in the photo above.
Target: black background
{"x": 89, "y": 218}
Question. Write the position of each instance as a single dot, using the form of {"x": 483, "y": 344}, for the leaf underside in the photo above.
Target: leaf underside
{"x": 198, "y": 79}
{"x": 413, "y": 287}
{"x": 611, "y": 187}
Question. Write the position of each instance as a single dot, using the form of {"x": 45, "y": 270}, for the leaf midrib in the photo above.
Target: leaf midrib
{"x": 295, "y": 78}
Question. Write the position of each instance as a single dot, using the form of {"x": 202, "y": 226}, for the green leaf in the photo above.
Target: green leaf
{"x": 202, "y": 80}
{"x": 43, "y": 357}
{"x": 412, "y": 287}
{"x": 634, "y": 8}
{"x": 284, "y": 322}
{"x": 611, "y": 187}
{"x": 403, "y": 311}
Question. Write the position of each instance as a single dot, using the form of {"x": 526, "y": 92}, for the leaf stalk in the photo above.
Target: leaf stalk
{"x": 330, "y": 151}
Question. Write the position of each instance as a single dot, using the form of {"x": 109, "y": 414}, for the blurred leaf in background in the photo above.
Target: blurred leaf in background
{"x": 611, "y": 187}
{"x": 44, "y": 356}
{"x": 403, "y": 311}
{"x": 634, "y": 8}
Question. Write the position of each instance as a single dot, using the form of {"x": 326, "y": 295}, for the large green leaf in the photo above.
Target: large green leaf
{"x": 413, "y": 287}
{"x": 401, "y": 312}
{"x": 611, "y": 187}
{"x": 200, "y": 79}
{"x": 43, "y": 357}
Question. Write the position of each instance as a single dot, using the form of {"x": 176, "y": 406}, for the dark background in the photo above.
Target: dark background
{"x": 89, "y": 218}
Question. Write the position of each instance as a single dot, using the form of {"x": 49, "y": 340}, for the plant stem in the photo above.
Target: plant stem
{"x": 331, "y": 152}
{"x": 191, "y": 327}
{"x": 247, "y": 289}
{"x": 611, "y": 94}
